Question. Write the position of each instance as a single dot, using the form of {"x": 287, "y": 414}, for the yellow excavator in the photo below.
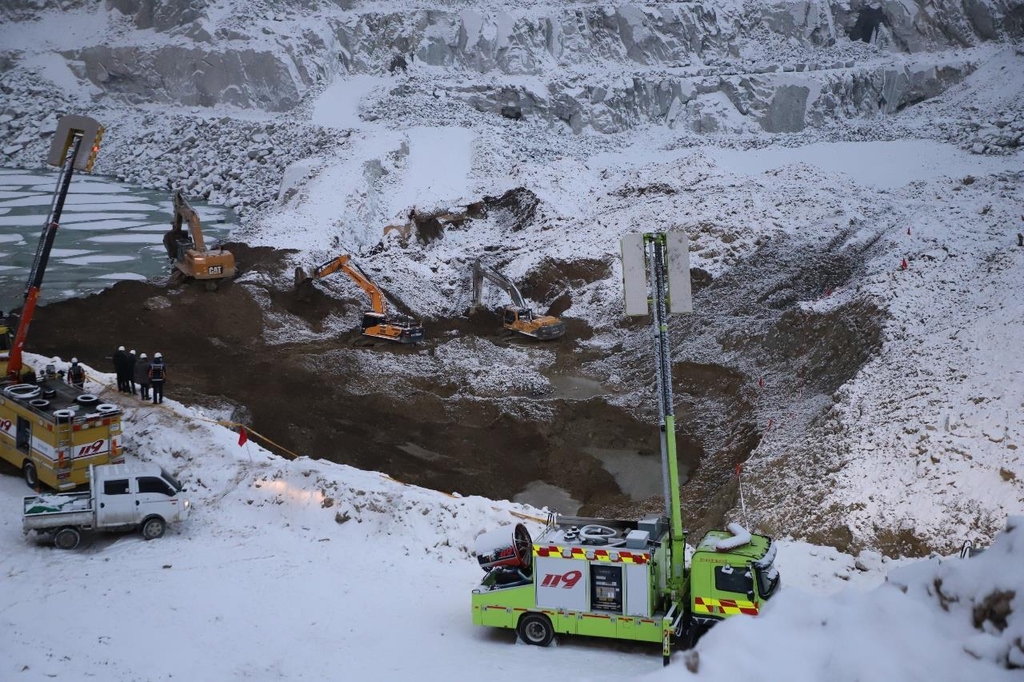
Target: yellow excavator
{"x": 377, "y": 322}
{"x": 192, "y": 258}
{"x": 516, "y": 317}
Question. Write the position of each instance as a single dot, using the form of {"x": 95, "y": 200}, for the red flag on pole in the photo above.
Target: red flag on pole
{"x": 738, "y": 466}
{"x": 903, "y": 265}
{"x": 243, "y": 437}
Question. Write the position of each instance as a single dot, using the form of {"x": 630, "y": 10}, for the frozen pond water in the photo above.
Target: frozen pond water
{"x": 108, "y": 232}
{"x": 541, "y": 494}
{"x": 639, "y": 476}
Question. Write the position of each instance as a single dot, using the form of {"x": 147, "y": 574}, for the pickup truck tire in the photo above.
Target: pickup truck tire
{"x": 67, "y": 538}
{"x": 31, "y": 476}
{"x": 535, "y": 628}
{"x": 153, "y": 528}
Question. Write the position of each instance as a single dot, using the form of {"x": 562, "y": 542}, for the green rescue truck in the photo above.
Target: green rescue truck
{"x": 627, "y": 579}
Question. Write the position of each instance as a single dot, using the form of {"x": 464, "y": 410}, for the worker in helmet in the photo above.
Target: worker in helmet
{"x": 76, "y": 374}
{"x": 142, "y": 375}
{"x": 120, "y": 367}
{"x": 157, "y": 375}
{"x": 129, "y": 371}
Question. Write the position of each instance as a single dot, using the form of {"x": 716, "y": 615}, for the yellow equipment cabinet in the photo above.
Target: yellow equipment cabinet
{"x": 54, "y": 432}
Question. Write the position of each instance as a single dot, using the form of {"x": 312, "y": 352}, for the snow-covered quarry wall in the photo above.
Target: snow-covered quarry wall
{"x": 700, "y": 68}
{"x": 772, "y": 67}
{"x": 597, "y": 65}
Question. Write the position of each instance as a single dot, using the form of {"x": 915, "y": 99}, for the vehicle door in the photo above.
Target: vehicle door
{"x": 734, "y": 590}
{"x": 116, "y": 503}
{"x": 24, "y": 435}
{"x": 156, "y": 496}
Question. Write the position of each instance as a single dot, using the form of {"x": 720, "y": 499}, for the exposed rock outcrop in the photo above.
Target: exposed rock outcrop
{"x": 193, "y": 76}
{"x": 160, "y": 15}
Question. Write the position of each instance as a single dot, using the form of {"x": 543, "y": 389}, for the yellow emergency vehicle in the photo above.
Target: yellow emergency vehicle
{"x": 53, "y": 432}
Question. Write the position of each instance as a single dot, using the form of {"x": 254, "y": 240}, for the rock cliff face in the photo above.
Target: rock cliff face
{"x": 777, "y": 66}
{"x": 194, "y": 76}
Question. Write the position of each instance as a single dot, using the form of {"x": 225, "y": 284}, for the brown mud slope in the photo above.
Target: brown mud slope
{"x": 432, "y": 435}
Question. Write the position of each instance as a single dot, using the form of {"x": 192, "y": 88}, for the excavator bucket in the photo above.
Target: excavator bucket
{"x": 301, "y": 278}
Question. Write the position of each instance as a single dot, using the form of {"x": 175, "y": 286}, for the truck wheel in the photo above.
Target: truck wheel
{"x": 30, "y": 475}
{"x": 535, "y": 628}
{"x": 153, "y": 528}
{"x": 66, "y": 538}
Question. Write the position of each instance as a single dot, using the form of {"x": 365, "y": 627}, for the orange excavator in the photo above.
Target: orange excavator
{"x": 192, "y": 258}
{"x": 377, "y": 322}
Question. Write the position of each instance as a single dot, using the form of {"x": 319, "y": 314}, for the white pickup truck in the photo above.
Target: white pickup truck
{"x": 120, "y": 497}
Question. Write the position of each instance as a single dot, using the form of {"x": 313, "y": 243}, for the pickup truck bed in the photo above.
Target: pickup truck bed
{"x": 55, "y": 510}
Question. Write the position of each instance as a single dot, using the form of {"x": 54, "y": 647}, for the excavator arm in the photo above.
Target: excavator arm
{"x": 183, "y": 212}
{"x": 377, "y": 303}
{"x": 344, "y": 263}
{"x": 481, "y": 272}
{"x": 330, "y": 267}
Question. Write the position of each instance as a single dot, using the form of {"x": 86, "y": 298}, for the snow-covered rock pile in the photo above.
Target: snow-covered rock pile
{"x": 948, "y": 619}
{"x": 230, "y": 161}
{"x": 1000, "y": 136}
{"x": 234, "y": 162}
{"x": 28, "y": 117}
{"x": 986, "y": 591}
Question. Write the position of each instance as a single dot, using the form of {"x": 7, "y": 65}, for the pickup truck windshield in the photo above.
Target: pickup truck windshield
{"x": 171, "y": 479}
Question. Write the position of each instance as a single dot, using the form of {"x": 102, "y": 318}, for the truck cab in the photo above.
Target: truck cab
{"x": 127, "y": 495}
{"x": 728, "y": 578}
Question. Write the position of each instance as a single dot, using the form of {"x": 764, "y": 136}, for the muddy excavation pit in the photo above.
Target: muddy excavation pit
{"x": 427, "y": 432}
{"x": 322, "y": 397}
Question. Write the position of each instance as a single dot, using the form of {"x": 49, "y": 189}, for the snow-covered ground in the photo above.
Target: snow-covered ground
{"x": 310, "y": 570}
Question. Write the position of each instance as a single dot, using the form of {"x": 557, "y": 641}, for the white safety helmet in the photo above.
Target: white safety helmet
{"x": 74, "y": 361}
{"x": 120, "y": 347}
{"x": 157, "y": 355}
{"x": 143, "y": 356}
{"x": 132, "y": 351}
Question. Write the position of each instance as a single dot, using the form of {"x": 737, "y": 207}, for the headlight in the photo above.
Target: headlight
{"x": 187, "y": 504}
